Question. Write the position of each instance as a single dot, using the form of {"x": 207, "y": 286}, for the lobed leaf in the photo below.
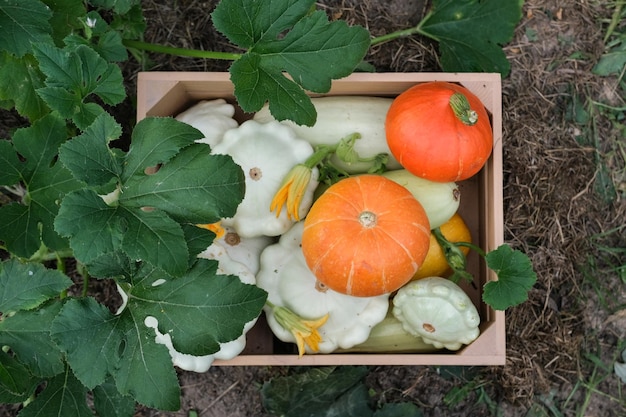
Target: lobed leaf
{"x": 16, "y": 381}
{"x": 19, "y": 81}
{"x": 200, "y": 309}
{"x": 94, "y": 228}
{"x": 25, "y": 286}
{"x": 318, "y": 392}
{"x": 73, "y": 74}
{"x": 155, "y": 140}
{"x": 108, "y": 401}
{"x": 286, "y": 37}
{"x": 63, "y": 396}
{"x": 28, "y": 224}
{"x": 88, "y": 155}
{"x": 194, "y": 186}
{"x": 515, "y": 278}
{"x": 470, "y": 33}
{"x": 27, "y": 334}
{"x": 23, "y": 22}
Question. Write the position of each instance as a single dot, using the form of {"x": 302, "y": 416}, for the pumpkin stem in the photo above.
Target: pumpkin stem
{"x": 462, "y": 110}
{"x": 367, "y": 219}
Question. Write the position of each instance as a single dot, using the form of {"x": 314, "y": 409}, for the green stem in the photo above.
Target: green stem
{"x": 615, "y": 19}
{"x": 473, "y": 247}
{"x": 170, "y": 50}
{"x": 41, "y": 256}
{"x": 403, "y": 32}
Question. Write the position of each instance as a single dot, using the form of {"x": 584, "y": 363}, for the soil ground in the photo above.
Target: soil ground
{"x": 575, "y": 313}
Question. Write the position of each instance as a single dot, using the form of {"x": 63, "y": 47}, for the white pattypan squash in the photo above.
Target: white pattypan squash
{"x": 437, "y": 310}
{"x": 212, "y": 118}
{"x": 266, "y": 152}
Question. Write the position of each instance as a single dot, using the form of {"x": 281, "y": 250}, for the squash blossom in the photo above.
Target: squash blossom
{"x": 291, "y": 191}
{"x": 305, "y": 331}
{"x": 215, "y": 228}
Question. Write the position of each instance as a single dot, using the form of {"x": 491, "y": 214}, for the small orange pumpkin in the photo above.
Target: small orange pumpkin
{"x": 365, "y": 236}
{"x": 439, "y": 131}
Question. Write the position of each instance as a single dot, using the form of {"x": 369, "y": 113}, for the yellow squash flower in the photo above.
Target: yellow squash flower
{"x": 305, "y": 331}
{"x": 291, "y": 191}
{"x": 215, "y": 228}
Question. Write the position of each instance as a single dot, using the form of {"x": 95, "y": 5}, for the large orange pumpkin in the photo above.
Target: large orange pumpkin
{"x": 439, "y": 131}
{"x": 365, "y": 236}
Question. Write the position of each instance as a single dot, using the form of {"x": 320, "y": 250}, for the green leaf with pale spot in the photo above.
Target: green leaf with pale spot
{"x": 471, "y": 33}
{"x": 515, "y": 278}
{"x": 177, "y": 185}
{"x": 287, "y": 37}
{"x": 23, "y": 22}
{"x": 24, "y": 286}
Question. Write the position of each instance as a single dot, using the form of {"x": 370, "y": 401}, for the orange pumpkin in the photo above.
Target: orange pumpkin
{"x": 365, "y": 236}
{"x": 435, "y": 263}
{"x": 439, "y": 131}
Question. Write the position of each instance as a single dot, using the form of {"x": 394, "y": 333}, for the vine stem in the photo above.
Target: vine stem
{"x": 615, "y": 19}
{"x": 170, "y": 50}
{"x": 403, "y": 32}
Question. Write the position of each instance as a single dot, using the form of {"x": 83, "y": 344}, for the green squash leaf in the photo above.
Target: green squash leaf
{"x": 155, "y": 140}
{"x": 73, "y": 74}
{"x": 29, "y": 223}
{"x": 63, "y": 396}
{"x": 199, "y": 310}
{"x": 471, "y": 33}
{"x": 66, "y": 17}
{"x": 108, "y": 401}
{"x": 313, "y": 51}
{"x": 515, "y": 278}
{"x": 318, "y": 392}
{"x": 155, "y": 237}
{"x": 177, "y": 186}
{"x": 89, "y": 157}
{"x": 16, "y": 381}
{"x": 94, "y": 227}
{"x": 118, "y": 6}
{"x": 23, "y": 22}
{"x": 19, "y": 81}
{"x": 118, "y": 345}
{"x": 82, "y": 320}
{"x": 27, "y": 285}
{"x": 27, "y": 334}
{"x": 145, "y": 220}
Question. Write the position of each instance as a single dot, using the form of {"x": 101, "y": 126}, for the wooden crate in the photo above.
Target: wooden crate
{"x": 169, "y": 93}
